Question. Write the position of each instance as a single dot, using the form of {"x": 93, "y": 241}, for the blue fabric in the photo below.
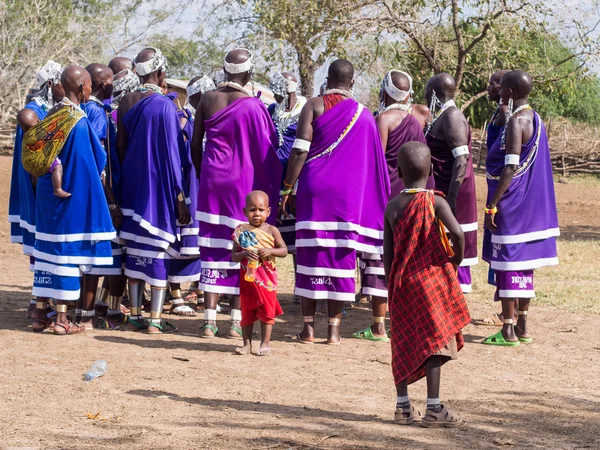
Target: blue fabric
{"x": 289, "y": 136}
{"x": 83, "y": 219}
{"x": 21, "y": 206}
{"x": 59, "y": 287}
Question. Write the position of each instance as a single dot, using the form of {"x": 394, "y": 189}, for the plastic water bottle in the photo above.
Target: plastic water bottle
{"x": 98, "y": 369}
{"x": 251, "y": 270}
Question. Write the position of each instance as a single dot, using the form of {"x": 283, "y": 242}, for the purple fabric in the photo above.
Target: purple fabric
{"x": 152, "y": 169}
{"x": 513, "y": 284}
{"x": 464, "y": 278}
{"x": 320, "y": 285}
{"x": 527, "y": 220}
{"x": 372, "y": 276}
{"x": 184, "y": 270}
{"x": 240, "y": 156}
{"x": 466, "y": 202}
{"x": 409, "y": 130}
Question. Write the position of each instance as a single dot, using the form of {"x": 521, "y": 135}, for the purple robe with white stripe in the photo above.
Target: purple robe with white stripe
{"x": 342, "y": 194}
{"x": 240, "y": 156}
{"x": 527, "y": 220}
{"x": 151, "y": 183}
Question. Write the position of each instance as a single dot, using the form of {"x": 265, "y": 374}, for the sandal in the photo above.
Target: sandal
{"x": 40, "y": 325}
{"x": 297, "y": 338}
{"x": 498, "y": 339}
{"x": 407, "y": 416}
{"x": 211, "y": 327}
{"x": 163, "y": 327}
{"x": 179, "y": 309}
{"x": 71, "y": 328}
{"x": 368, "y": 335}
{"x": 264, "y": 351}
{"x": 125, "y": 310}
{"x": 493, "y": 321}
{"x": 235, "y": 329}
{"x": 442, "y": 419}
{"x": 102, "y": 323}
{"x": 137, "y": 324}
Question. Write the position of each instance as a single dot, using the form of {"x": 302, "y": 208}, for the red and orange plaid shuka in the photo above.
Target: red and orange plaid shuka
{"x": 427, "y": 306}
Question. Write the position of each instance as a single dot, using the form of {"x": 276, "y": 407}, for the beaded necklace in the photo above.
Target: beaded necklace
{"x": 150, "y": 87}
{"x": 414, "y": 190}
{"x": 445, "y": 106}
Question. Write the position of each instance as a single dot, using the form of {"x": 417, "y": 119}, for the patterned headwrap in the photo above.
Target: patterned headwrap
{"x": 125, "y": 83}
{"x": 388, "y": 86}
{"x": 158, "y": 61}
{"x": 281, "y": 86}
{"x": 246, "y": 66}
{"x": 200, "y": 86}
{"x": 51, "y": 71}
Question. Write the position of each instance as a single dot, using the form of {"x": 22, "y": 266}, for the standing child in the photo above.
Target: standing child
{"x": 258, "y": 244}
{"x": 426, "y": 303}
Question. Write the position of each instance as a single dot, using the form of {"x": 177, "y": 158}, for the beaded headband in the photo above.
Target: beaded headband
{"x": 246, "y": 66}
{"x": 158, "y": 61}
{"x": 51, "y": 71}
{"x": 126, "y": 83}
{"x": 200, "y": 86}
{"x": 281, "y": 86}
{"x": 392, "y": 90}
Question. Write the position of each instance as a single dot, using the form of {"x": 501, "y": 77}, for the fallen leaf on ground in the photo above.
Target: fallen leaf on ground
{"x": 95, "y": 416}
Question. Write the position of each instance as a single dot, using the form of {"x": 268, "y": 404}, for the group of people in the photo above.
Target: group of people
{"x": 111, "y": 179}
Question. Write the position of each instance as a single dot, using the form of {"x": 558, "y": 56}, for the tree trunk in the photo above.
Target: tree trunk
{"x": 307, "y": 69}
{"x": 472, "y": 100}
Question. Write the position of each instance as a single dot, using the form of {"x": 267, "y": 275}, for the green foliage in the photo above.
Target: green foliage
{"x": 189, "y": 57}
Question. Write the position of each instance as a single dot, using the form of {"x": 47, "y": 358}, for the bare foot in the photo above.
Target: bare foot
{"x": 308, "y": 333}
{"x": 87, "y": 324}
{"x": 245, "y": 350}
{"x": 60, "y": 193}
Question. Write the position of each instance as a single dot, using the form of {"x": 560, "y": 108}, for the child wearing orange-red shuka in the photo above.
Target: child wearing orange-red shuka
{"x": 257, "y": 246}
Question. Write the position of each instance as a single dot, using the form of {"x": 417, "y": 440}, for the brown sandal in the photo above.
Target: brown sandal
{"x": 442, "y": 419}
{"x": 407, "y": 416}
{"x": 72, "y": 328}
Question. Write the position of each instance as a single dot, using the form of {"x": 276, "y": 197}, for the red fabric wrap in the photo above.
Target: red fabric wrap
{"x": 427, "y": 306}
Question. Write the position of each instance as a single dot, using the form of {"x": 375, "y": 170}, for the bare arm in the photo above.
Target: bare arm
{"x": 198, "y": 137}
{"x": 457, "y": 237}
{"x": 238, "y": 254}
{"x": 280, "y": 250}
{"x": 304, "y": 131}
{"x": 388, "y": 245}
{"x": 456, "y": 134}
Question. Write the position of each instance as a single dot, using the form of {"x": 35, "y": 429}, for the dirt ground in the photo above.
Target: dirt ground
{"x": 179, "y": 391}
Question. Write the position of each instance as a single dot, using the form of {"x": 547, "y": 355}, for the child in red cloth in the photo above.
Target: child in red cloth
{"x": 257, "y": 246}
{"x": 427, "y": 306}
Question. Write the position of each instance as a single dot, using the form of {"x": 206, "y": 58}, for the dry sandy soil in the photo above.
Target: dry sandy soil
{"x": 179, "y": 391}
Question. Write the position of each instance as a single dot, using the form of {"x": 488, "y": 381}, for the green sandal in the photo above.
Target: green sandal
{"x": 208, "y": 326}
{"x": 368, "y": 335}
{"x": 498, "y": 339}
{"x": 526, "y": 340}
{"x": 236, "y": 329}
{"x": 163, "y": 327}
{"x": 138, "y": 324}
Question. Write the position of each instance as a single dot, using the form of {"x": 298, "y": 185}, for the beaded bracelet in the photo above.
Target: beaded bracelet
{"x": 491, "y": 211}
{"x": 283, "y": 193}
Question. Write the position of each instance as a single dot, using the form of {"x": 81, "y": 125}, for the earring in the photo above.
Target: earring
{"x": 509, "y": 108}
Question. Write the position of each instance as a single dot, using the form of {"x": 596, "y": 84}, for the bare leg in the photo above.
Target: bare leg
{"x": 246, "y": 349}
{"x": 62, "y": 325}
{"x": 210, "y": 308}
{"x": 521, "y": 328}
{"x": 335, "y": 316}
{"x": 88, "y": 311}
{"x": 379, "y": 311}
{"x": 57, "y": 174}
{"x": 508, "y": 329}
{"x": 265, "y": 343}
{"x": 40, "y": 319}
{"x": 433, "y": 372}
{"x": 309, "y": 307}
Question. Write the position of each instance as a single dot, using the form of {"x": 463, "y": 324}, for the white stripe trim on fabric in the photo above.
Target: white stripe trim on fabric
{"x": 142, "y": 276}
{"x": 148, "y": 226}
{"x": 370, "y": 257}
{"x": 339, "y": 226}
{"x": 190, "y": 231}
{"x": 148, "y": 253}
{"x": 525, "y": 237}
{"x": 466, "y": 288}
{"x": 375, "y": 292}
{"x": 183, "y": 278}
{"x": 215, "y": 243}
{"x": 13, "y": 218}
{"x": 27, "y": 226}
{"x": 524, "y": 265}
{"x": 375, "y": 271}
{"x": 16, "y": 239}
{"x": 339, "y": 243}
{"x": 144, "y": 240}
{"x": 215, "y": 219}
{"x": 466, "y": 228}
{"x": 468, "y": 262}
{"x": 75, "y": 237}
{"x": 190, "y": 251}
{"x": 28, "y": 250}
{"x": 325, "y": 272}
{"x": 510, "y": 293}
{"x": 77, "y": 260}
{"x": 107, "y": 271}
{"x": 229, "y": 265}
{"x": 460, "y": 151}
{"x": 62, "y": 271}
{"x": 287, "y": 229}
{"x": 325, "y": 295}
{"x": 56, "y": 294}
{"x": 219, "y": 289}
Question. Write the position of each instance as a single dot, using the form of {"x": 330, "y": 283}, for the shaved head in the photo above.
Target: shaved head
{"x": 100, "y": 74}
{"x": 145, "y": 55}
{"x": 237, "y": 56}
{"x": 443, "y": 84}
{"x": 497, "y": 75}
{"x": 401, "y": 81}
{"x": 120, "y": 63}
{"x": 414, "y": 162}
{"x": 256, "y": 197}
{"x": 340, "y": 74}
{"x": 77, "y": 83}
{"x": 494, "y": 85}
{"x": 519, "y": 81}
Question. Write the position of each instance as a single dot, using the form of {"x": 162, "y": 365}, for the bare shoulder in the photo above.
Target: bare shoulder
{"x": 455, "y": 115}
{"x": 439, "y": 202}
